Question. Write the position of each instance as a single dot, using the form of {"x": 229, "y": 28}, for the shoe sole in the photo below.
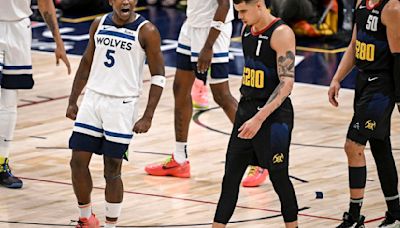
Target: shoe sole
{"x": 14, "y": 186}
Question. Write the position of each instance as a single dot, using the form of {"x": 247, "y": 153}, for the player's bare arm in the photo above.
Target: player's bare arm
{"x": 82, "y": 74}
{"x": 47, "y": 9}
{"x": 150, "y": 40}
{"x": 283, "y": 41}
{"x": 391, "y": 18}
{"x": 346, "y": 65}
{"x": 206, "y": 53}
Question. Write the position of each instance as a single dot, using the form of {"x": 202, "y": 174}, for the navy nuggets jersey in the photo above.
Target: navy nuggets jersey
{"x": 260, "y": 77}
{"x": 372, "y": 48}
{"x": 118, "y": 58}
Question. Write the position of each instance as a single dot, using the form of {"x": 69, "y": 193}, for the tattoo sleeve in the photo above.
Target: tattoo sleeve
{"x": 285, "y": 66}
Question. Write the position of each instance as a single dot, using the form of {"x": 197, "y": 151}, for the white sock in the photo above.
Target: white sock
{"x": 109, "y": 224}
{"x": 180, "y": 153}
{"x": 8, "y": 119}
{"x": 85, "y": 211}
{"x": 113, "y": 210}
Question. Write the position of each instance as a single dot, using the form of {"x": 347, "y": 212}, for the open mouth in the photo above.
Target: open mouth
{"x": 125, "y": 10}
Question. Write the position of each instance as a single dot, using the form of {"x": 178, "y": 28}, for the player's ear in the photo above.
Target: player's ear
{"x": 110, "y": 2}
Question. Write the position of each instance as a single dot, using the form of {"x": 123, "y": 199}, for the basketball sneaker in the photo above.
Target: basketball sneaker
{"x": 169, "y": 168}
{"x": 350, "y": 222}
{"x": 199, "y": 95}
{"x": 92, "y": 222}
{"x": 7, "y": 179}
{"x": 390, "y": 221}
{"x": 255, "y": 177}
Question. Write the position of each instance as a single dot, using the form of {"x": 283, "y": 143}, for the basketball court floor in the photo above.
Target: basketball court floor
{"x": 318, "y": 164}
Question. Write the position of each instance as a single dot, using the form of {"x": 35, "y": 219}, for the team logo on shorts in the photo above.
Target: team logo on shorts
{"x": 278, "y": 158}
{"x": 370, "y": 125}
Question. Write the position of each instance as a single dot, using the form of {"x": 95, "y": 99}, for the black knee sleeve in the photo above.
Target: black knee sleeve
{"x": 284, "y": 188}
{"x": 357, "y": 177}
{"x": 386, "y": 166}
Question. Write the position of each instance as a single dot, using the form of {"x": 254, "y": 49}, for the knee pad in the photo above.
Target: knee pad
{"x": 284, "y": 188}
{"x": 357, "y": 177}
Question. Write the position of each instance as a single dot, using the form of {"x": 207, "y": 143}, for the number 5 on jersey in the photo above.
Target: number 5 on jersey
{"x": 372, "y": 23}
{"x": 110, "y": 58}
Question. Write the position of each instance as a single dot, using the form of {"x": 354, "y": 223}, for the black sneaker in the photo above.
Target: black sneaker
{"x": 349, "y": 222}
{"x": 6, "y": 178}
{"x": 390, "y": 221}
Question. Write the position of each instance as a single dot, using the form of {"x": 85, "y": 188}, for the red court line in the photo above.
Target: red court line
{"x": 183, "y": 199}
{"x": 49, "y": 99}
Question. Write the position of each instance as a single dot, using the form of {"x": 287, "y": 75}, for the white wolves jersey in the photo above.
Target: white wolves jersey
{"x": 14, "y": 10}
{"x": 200, "y": 13}
{"x": 118, "y": 58}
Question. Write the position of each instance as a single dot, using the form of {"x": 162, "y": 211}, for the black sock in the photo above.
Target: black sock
{"x": 393, "y": 205}
{"x": 355, "y": 208}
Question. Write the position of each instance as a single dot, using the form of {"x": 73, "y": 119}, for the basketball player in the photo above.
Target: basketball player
{"x": 203, "y": 43}
{"x": 16, "y": 68}
{"x": 263, "y": 125}
{"x": 375, "y": 38}
{"x": 112, "y": 67}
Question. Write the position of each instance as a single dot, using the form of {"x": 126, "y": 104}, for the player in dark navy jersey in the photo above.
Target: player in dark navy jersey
{"x": 264, "y": 120}
{"x": 371, "y": 50}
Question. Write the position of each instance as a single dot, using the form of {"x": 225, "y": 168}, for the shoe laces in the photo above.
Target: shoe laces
{"x": 5, "y": 168}
{"x": 253, "y": 171}
{"x": 168, "y": 160}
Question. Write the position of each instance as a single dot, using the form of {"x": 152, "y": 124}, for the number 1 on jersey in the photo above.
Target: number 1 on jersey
{"x": 110, "y": 59}
{"x": 258, "y": 47}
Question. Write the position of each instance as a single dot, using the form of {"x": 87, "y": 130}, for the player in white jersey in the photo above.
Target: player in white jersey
{"x": 203, "y": 44}
{"x": 112, "y": 68}
{"x": 16, "y": 68}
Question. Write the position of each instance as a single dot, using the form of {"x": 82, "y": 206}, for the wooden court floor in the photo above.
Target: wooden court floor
{"x": 318, "y": 163}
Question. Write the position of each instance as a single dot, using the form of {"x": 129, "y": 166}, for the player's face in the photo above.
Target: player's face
{"x": 123, "y": 8}
{"x": 249, "y": 13}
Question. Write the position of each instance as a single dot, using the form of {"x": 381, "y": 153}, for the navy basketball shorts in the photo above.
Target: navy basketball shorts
{"x": 373, "y": 107}
{"x": 104, "y": 124}
{"x": 190, "y": 42}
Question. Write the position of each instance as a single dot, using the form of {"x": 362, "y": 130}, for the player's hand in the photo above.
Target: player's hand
{"x": 333, "y": 93}
{"x": 61, "y": 54}
{"x": 142, "y": 125}
{"x": 204, "y": 60}
{"x": 72, "y": 110}
{"x": 249, "y": 129}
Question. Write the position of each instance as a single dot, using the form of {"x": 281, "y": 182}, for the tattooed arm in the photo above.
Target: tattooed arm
{"x": 283, "y": 42}
{"x": 48, "y": 11}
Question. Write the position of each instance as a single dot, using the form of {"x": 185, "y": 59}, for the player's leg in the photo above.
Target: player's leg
{"x": 387, "y": 172}
{"x": 114, "y": 189}
{"x": 8, "y": 119}
{"x": 238, "y": 157}
{"x": 272, "y": 148}
{"x": 16, "y": 64}
{"x": 119, "y": 116}
{"x": 178, "y": 165}
{"x": 85, "y": 140}
{"x": 222, "y": 95}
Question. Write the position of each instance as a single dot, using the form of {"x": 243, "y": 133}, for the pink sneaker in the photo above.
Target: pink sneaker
{"x": 199, "y": 95}
{"x": 169, "y": 168}
{"x": 255, "y": 177}
{"x": 92, "y": 222}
